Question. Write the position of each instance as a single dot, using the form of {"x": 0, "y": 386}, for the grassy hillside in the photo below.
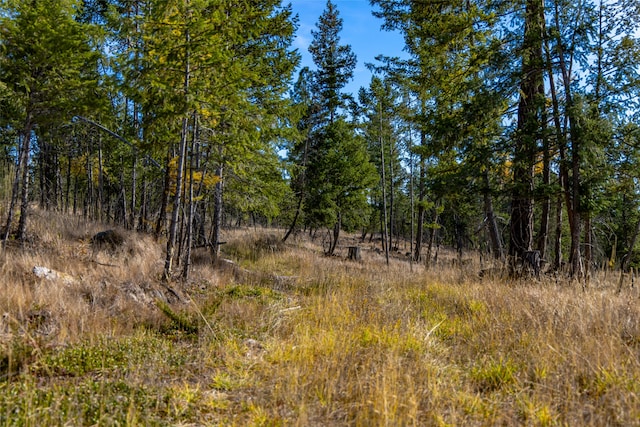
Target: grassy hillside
{"x": 288, "y": 337}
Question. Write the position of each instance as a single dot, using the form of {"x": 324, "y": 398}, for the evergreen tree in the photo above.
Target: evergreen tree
{"x": 382, "y": 130}
{"x": 335, "y": 64}
{"x": 337, "y": 168}
{"x": 47, "y": 65}
{"x": 452, "y": 76}
{"x": 227, "y": 69}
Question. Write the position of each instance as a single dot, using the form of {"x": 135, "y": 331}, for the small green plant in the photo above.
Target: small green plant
{"x": 15, "y": 355}
{"x": 494, "y": 375}
{"x": 180, "y": 321}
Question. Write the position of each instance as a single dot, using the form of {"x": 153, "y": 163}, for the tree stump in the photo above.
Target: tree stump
{"x": 354, "y": 253}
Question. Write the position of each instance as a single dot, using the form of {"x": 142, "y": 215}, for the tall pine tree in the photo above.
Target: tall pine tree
{"x": 338, "y": 171}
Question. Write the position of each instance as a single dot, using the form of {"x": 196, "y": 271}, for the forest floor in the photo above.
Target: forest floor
{"x": 287, "y": 336}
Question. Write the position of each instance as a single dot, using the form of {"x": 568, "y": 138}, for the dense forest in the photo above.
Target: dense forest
{"x": 509, "y": 126}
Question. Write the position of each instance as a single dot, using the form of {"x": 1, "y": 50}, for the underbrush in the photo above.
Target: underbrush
{"x": 343, "y": 343}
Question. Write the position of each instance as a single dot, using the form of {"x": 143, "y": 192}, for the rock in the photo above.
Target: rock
{"x": 52, "y": 275}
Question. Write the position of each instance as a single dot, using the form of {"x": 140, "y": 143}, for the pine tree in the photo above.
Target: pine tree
{"x": 337, "y": 172}
{"x": 335, "y": 64}
{"x": 45, "y": 63}
{"x": 226, "y": 68}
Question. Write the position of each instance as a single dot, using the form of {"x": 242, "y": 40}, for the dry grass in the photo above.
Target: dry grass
{"x": 336, "y": 343}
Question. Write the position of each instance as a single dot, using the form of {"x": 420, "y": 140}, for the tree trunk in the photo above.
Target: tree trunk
{"x": 557, "y": 262}
{"x": 23, "y": 164}
{"x": 336, "y": 234}
{"x": 302, "y": 188}
{"x": 173, "y": 228}
{"x": 411, "y": 200}
{"x": 132, "y": 207}
{"x": 588, "y": 246}
{"x": 142, "y": 215}
{"x": 217, "y": 215}
{"x": 24, "y": 194}
{"x": 492, "y": 225}
{"x": 164, "y": 202}
{"x": 530, "y": 107}
{"x": 421, "y": 196}
{"x": 392, "y": 212}
{"x": 191, "y": 206}
{"x": 175, "y": 214}
{"x": 385, "y": 237}
{"x": 626, "y": 259}
{"x": 543, "y": 233}
{"x": 574, "y": 209}
{"x": 100, "y": 200}
{"x": 67, "y": 185}
{"x": 432, "y": 234}
{"x": 75, "y": 195}
{"x": 88, "y": 199}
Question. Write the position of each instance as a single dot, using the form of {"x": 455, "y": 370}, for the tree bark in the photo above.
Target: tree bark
{"x": 543, "y": 233}
{"x": 492, "y": 225}
{"x": 432, "y": 234}
{"x": 385, "y": 237}
{"x": 175, "y": 218}
{"x": 421, "y": 196}
{"x": 173, "y": 228}
{"x": 557, "y": 262}
{"x": 336, "y": 234}
{"x": 217, "y": 215}
{"x": 164, "y": 202}
{"x": 529, "y": 130}
{"x": 302, "y": 188}
{"x": 22, "y": 170}
{"x": 191, "y": 207}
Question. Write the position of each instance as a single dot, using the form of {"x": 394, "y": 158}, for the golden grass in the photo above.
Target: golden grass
{"x": 337, "y": 343}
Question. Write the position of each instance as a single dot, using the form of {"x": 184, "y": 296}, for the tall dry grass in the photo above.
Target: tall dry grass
{"x": 287, "y": 336}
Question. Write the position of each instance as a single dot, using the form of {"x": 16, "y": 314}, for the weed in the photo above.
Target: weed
{"x": 491, "y": 375}
{"x": 180, "y": 321}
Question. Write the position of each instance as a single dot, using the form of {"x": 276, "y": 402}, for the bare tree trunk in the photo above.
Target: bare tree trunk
{"x": 588, "y": 246}
{"x": 574, "y": 211}
{"x": 121, "y": 213}
{"x": 494, "y": 233}
{"x": 191, "y": 206}
{"x": 68, "y": 184}
{"x": 336, "y": 234}
{"x": 421, "y": 196}
{"x": 557, "y": 263}
{"x": 175, "y": 214}
{"x": 164, "y": 202}
{"x": 142, "y": 216}
{"x": 100, "y": 199}
{"x": 392, "y": 212}
{"x": 302, "y": 188}
{"x": 412, "y": 204}
{"x": 173, "y": 228}
{"x": 432, "y": 234}
{"x": 530, "y": 107}
{"x": 88, "y": 199}
{"x": 75, "y": 195}
{"x": 43, "y": 174}
{"x": 22, "y": 170}
{"x": 134, "y": 180}
{"x": 385, "y": 237}
{"x": 217, "y": 215}
{"x": 543, "y": 233}
{"x": 626, "y": 259}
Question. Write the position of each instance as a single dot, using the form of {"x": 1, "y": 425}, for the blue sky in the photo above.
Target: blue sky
{"x": 360, "y": 29}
